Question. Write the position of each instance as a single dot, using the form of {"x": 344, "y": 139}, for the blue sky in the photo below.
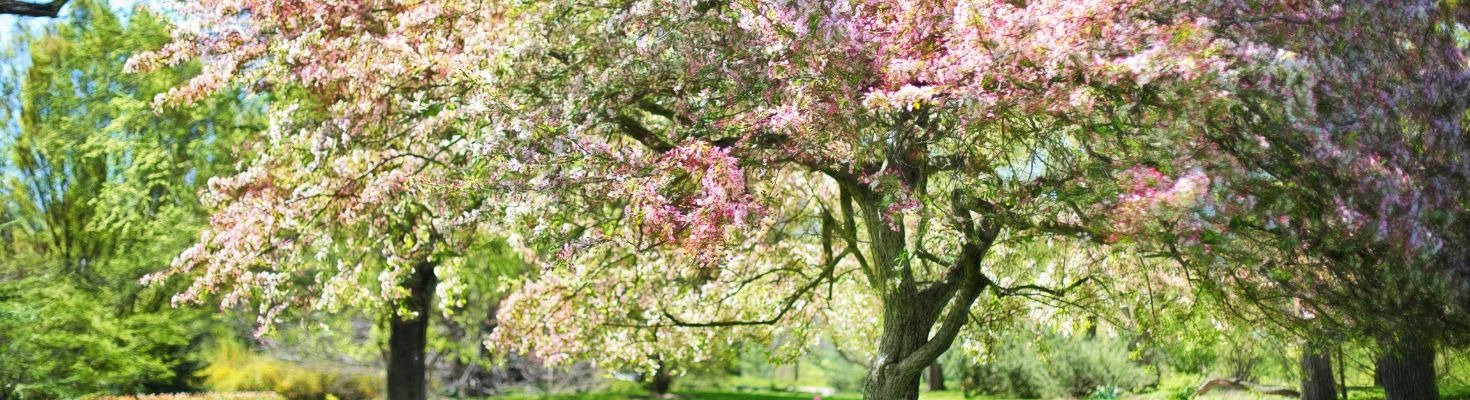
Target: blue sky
{"x": 14, "y": 59}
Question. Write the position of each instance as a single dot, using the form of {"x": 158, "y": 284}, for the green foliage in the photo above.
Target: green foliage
{"x": 1054, "y": 366}
{"x": 97, "y": 191}
{"x": 1082, "y": 366}
{"x": 470, "y": 296}
{"x": 58, "y": 341}
{"x": 1014, "y": 369}
{"x": 1178, "y": 386}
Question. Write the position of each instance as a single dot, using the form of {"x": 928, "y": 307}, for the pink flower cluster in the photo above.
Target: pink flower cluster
{"x": 1149, "y": 194}
{"x": 698, "y": 220}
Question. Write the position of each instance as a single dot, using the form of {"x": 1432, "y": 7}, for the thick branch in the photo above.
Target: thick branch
{"x": 973, "y": 284}
{"x": 1053, "y": 292}
{"x": 637, "y": 131}
{"x": 28, "y": 9}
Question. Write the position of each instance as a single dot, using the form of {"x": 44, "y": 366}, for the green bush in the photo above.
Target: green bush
{"x": 201, "y": 396}
{"x": 1081, "y": 366}
{"x": 1054, "y": 366}
{"x": 68, "y": 344}
{"x": 1014, "y": 369}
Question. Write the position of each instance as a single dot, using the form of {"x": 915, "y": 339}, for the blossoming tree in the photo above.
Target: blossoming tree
{"x": 1338, "y": 179}
{"x": 742, "y": 157}
{"x": 687, "y": 167}
{"x": 356, "y": 197}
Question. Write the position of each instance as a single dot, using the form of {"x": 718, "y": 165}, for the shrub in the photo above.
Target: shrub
{"x": 1053, "y": 366}
{"x": 1013, "y": 369}
{"x": 235, "y": 368}
{"x": 201, "y": 396}
{"x": 1082, "y": 366}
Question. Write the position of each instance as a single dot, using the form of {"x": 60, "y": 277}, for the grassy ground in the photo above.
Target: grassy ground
{"x": 722, "y": 395}
{"x": 1355, "y": 394}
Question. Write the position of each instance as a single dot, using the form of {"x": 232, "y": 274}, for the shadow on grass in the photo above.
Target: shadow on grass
{"x": 699, "y": 395}
{"x": 682, "y": 395}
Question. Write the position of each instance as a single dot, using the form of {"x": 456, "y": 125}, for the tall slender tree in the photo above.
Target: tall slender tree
{"x": 98, "y": 191}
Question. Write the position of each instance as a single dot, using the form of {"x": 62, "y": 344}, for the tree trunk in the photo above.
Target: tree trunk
{"x": 1407, "y": 370}
{"x": 891, "y": 383}
{"x": 935, "y": 377}
{"x": 906, "y": 325}
{"x": 905, "y": 349}
{"x": 661, "y": 381}
{"x": 911, "y": 309}
{"x": 408, "y": 337}
{"x": 1317, "y": 379}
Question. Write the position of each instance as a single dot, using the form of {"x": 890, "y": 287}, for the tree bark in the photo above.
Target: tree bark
{"x": 661, "y": 381}
{"x": 906, "y": 325}
{"x": 1407, "y": 369}
{"x": 912, "y": 309}
{"x": 1317, "y": 378}
{"x": 905, "y": 348}
{"x": 408, "y": 337}
{"x": 935, "y": 377}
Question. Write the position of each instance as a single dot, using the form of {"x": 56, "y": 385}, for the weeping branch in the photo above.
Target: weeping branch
{"x": 1052, "y": 292}
{"x": 634, "y": 129}
{"x": 828, "y": 225}
{"x": 789, "y": 304}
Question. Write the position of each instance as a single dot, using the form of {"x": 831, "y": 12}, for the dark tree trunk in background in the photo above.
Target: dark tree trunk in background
{"x": 408, "y": 337}
{"x": 936, "y": 377}
{"x": 1317, "y": 378}
{"x": 1407, "y": 370}
{"x": 661, "y": 381}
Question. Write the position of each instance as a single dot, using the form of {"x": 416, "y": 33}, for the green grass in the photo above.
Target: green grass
{"x": 720, "y": 395}
{"x": 1356, "y": 393}
{"x": 714, "y": 395}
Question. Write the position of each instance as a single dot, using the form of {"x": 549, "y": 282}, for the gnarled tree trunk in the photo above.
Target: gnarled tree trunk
{"x": 906, "y": 348}
{"x": 916, "y": 326}
{"x": 906, "y": 326}
{"x": 1407, "y": 369}
{"x": 1317, "y": 378}
{"x": 408, "y": 337}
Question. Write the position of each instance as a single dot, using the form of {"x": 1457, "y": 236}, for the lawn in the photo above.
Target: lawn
{"x": 1356, "y": 394}
{"x": 721, "y": 395}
